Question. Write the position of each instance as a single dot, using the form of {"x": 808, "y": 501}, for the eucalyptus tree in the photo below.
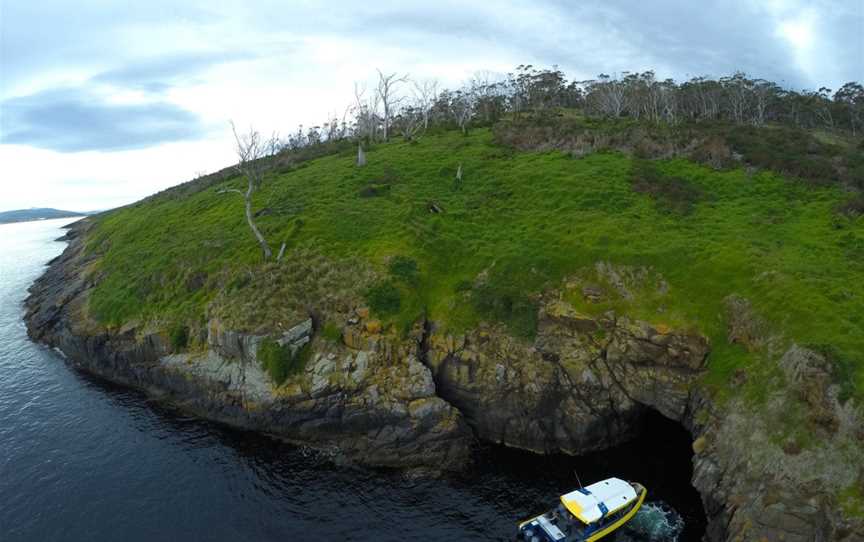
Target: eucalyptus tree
{"x": 851, "y": 97}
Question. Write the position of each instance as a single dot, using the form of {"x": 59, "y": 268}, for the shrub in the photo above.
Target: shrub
{"x": 280, "y": 361}
{"x": 331, "y": 332}
{"x": 670, "y": 193}
{"x": 179, "y": 336}
{"x": 374, "y": 190}
{"x": 405, "y": 269}
{"x": 506, "y": 305}
{"x": 854, "y": 206}
{"x": 384, "y": 298}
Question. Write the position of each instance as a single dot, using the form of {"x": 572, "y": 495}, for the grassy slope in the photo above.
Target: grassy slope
{"x": 527, "y": 219}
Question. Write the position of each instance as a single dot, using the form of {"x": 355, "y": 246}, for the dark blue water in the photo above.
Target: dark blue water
{"x": 81, "y": 459}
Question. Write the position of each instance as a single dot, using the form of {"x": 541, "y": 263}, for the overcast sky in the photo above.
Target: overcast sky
{"x": 105, "y": 102}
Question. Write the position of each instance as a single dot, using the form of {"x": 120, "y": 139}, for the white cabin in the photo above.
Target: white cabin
{"x": 593, "y": 502}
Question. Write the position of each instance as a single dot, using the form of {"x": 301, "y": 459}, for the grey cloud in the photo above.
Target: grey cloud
{"x": 674, "y": 37}
{"x": 159, "y": 74}
{"x": 70, "y": 120}
{"x": 41, "y": 36}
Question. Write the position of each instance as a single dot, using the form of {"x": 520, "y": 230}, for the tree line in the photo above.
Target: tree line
{"x": 400, "y": 105}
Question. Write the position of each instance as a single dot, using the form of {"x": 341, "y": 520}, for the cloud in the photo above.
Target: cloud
{"x": 73, "y": 119}
{"x": 157, "y": 74}
{"x": 102, "y": 75}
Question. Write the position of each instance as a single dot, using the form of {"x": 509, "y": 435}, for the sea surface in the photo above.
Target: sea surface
{"x": 82, "y": 459}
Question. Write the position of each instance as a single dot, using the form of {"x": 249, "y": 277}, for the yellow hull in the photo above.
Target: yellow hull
{"x": 624, "y": 519}
{"x": 612, "y": 527}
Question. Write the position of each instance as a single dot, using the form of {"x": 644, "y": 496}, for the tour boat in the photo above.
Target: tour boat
{"x": 586, "y": 514}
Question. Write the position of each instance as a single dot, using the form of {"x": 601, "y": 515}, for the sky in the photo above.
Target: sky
{"x": 103, "y": 102}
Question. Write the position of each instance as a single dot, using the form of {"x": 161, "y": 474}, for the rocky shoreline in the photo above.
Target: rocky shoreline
{"x": 421, "y": 402}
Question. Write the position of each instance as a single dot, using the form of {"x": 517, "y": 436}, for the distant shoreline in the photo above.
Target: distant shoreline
{"x": 35, "y": 215}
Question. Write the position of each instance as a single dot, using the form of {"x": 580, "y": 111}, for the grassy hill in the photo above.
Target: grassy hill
{"x": 402, "y": 236}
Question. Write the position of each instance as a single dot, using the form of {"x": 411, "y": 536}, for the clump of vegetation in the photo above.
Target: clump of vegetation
{"x": 789, "y": 150}
{"x": 670, "y": 193}
{"x": 404, "y": 269}
{"x": 785, "y": 149}
{"x": 515, "y": 309}
{"x": 384, "y": 298}
{"x": 500, "y": 295}
{"x": 282, "y": 361}
{"x": 331, "y": 332}
{"x": 851, "y": 500}
{"x": 374, "y": 190}
{"x": 179, "y": 336}
{"x": 852, "y": 207}
{"x": 380, "y": 186}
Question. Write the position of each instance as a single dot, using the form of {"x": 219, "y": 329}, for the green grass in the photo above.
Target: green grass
{"x": 519, "y": 223}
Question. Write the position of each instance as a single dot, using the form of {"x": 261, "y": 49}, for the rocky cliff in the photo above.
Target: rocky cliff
{"x": 375, "y": 403}
{"x": 419, "y": 401}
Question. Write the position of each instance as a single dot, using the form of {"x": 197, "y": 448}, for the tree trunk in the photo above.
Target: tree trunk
{"x": 261, "y": 241}
{"x": 361, "y": 156}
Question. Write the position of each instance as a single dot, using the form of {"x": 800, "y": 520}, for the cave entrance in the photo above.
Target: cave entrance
{"x": 660, "y": 456}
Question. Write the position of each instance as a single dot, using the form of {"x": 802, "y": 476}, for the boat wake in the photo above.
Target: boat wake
{"x": 655, "y": 522}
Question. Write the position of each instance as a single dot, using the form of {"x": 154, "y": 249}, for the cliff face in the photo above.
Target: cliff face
{"x": 581, "y": 384}
{"x": 375, "y": 404}
{"x": 584, "y": 382}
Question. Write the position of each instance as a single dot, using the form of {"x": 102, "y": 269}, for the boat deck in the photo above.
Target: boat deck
{"x": 558, "y": 525}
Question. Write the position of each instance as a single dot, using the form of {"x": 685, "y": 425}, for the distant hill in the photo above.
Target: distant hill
{"x": 26, "y": 215}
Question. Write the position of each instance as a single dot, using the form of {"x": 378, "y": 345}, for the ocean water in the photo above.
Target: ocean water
{"x": 82, "y": 459}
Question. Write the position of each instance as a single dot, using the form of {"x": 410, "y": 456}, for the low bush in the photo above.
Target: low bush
{"x": 670, "y": 193}
{"x": 280, "y": 361}
{"x": 179, "y": 336}
{"x": 404, "y": 269}
{"x": 384, "y": 298}
{"x": 854, "y": 206}
{"x": 331, "y": 332}
{"x": 374, "y": 190}
{"x": 515, "y": 309}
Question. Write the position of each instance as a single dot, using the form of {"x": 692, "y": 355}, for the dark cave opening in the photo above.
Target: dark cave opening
{"x": 660, "y": 456}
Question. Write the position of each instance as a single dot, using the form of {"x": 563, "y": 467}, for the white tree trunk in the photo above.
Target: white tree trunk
{"x": 250, "y": 219}
{"x": 361, "y": 156}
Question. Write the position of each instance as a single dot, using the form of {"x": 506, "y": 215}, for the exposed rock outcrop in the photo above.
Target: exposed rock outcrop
{"x": 579, "y": 386}
{"x": 374, "y": 404}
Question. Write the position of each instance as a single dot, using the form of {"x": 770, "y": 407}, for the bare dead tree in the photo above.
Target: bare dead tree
{"x": 252, "y": 152}
{"x": 463, "y": 108}
{"x": 425, "y": 94}
{"x": 365, "y": 112}
{"x": 386, "y": 92}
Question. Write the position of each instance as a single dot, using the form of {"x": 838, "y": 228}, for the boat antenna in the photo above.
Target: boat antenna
{"x": 576, "y": 474}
